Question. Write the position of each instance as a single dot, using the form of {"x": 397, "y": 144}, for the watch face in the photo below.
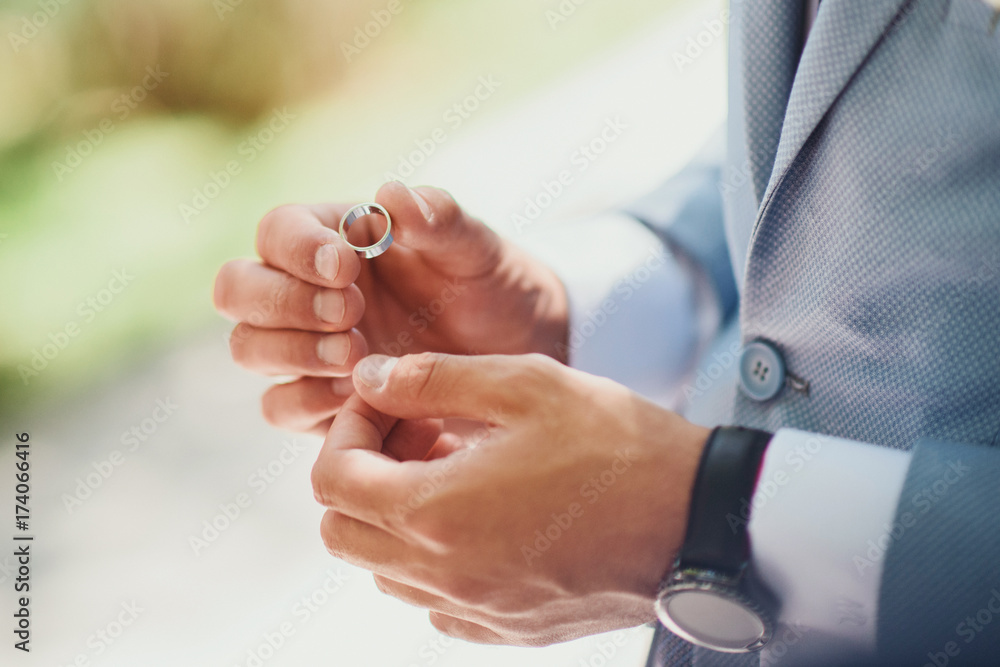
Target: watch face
{"x": 715, "y": 621}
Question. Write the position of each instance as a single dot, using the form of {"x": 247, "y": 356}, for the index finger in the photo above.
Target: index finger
{"x": 354, "y": 477}
{"x": 301, "y": 240}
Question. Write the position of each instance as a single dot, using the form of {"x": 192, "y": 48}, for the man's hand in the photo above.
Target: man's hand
{"x": 312, "y": 308}
{"x": 555, "y": 521}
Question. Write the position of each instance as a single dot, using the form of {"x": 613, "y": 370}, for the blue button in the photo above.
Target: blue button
{"x": 762, "y": 370}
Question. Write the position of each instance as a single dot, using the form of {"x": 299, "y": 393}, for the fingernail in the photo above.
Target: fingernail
{"x": 343, "y": 386}
{"x": 329, "y": 305}
{"x": 422, "y": 204}
{"x": 327, "y": 261}
{"x": 334, "y": 349}
{"x": 374, "y": 370}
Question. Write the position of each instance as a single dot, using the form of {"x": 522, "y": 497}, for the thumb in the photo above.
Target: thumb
{"x": 431, "y": 222}
{"x": 488, "y": 389}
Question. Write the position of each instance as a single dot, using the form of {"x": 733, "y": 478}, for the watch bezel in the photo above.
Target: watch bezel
{"x": 724, "y": 585}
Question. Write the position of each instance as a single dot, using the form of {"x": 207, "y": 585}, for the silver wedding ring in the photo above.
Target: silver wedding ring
{"x": 360, "y": 211}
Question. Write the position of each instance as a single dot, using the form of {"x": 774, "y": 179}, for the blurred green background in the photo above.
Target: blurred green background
{"x": 119, "y": 118}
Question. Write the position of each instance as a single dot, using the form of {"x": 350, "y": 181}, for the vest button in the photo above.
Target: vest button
{"x": 762, "y": 370}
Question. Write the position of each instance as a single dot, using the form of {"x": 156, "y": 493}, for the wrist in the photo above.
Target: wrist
{"x": 678, "y": 445}
{"x": 546, "y": 295}
{"x": 694, "y": 439}
{"x": 710, "y": 596}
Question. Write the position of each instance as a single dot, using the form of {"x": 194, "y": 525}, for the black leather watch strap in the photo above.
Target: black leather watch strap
{"x": 716, "y": 535}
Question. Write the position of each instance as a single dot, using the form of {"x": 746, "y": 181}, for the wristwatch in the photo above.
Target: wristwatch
{"x": 708, "y": 598}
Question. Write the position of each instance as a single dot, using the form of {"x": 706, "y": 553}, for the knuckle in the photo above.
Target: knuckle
{"x": 381, "y": 584}
{"x": 444, "y": 624}
{"x": 282, "y": 301}
{"x": 316, "y": 397}
{"x": 545, "y": 369}
{"x": 331, "y": 540}
{"x": 241, "y": 333}
{"x": 432, "y": 531}
{"x": 535, "y": 377}
{"x": 300, "y": 405}
{"x": 320, "y": 481}
{"x": 510, "y": 607}
{"x": 239, "y": 343}
{"x": 358, "y": 347}
{"x": 447, "y": 211}
{"x": 272, "y": 221}
{"x": 278, "y": 215}
{"x": 457, "y": 628}
{"x": 419, "y": 374}
{"x": 263, "y": 311}
{"x": 354, "y": 306}
{"x": 472, "y": 593}
{"x": 542, "y": 363}
{"x": 222, "y": 294}
{"x": 272, "y": 408}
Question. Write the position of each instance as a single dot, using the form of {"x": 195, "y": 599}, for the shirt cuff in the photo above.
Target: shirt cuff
{"x": 821, "y": 520}
{"x": 632, "y": 302}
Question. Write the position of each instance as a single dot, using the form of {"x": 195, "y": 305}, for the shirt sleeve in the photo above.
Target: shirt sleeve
{"x": 820, "y": 523}
{"x": 639, "y": 311}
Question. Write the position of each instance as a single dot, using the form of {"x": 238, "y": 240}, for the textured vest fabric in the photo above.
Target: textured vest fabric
{"x": 874, "y": 262}
{"x": 862, "y": 215}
